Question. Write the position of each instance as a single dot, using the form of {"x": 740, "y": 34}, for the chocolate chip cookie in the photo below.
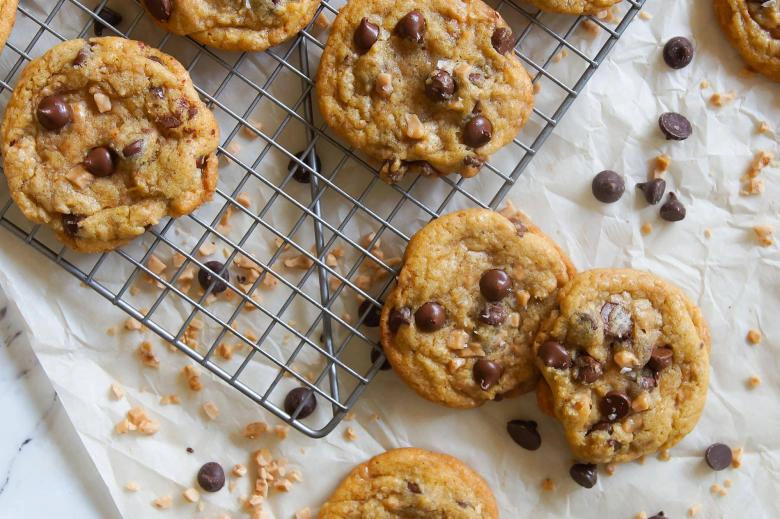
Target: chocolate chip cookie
{"x": 405, "y": 483}
{"x": 7, "y": 19}
{"x": 626, "y": 357}
{"x": 574, "y": 6}
{"x": 250, "y": 25}
{"x": 433, "y": 87}
{"x": 103, "y": 138}
{"x": 753, "y": 26}
{"x": 472, "y": 293}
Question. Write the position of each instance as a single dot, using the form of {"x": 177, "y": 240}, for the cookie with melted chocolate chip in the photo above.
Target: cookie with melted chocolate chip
{"x": 430, "y": 87}
{"x": 103, "y": 138}
{"x": 410, "y": 482}
{"x": 472, "y": 294}
{"x": 753, "y": 27}
{"x": 626, "y": 359}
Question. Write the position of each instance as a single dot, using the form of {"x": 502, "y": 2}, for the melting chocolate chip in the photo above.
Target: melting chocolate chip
{"x": 588, "y": 369}
{"x": 211, "y": 477}
{"x": 299, "y": 173}
{"x": 101, "y": 161}
{"x": 647, "y": 379}
{"x": 398, "y": 317}
{"x": 601, "y": 426}
{"x": 297, "y": 397}
{"x": 365, "y": 35}
{"x": 584, "y": 474}
{"x": 617, "y": 321}
{"x": 109, "y": 16}
{"x": 661, "y": 358}
{"x": 370, "y": 313}
{"x": 54, "y": 112}
{"x": 659, "y": 515}
{"x": 678, "y": 52}
{"x": 413, "y": 487}
{"x": 554, "y": 355}
{"x": 160, "y": 9}
{"x": 615, "y": 405}
{"x": 493, "y": 314}
{"x": 478, "y": 131}
{"x": 411, "y": 26}
{"x": 375, "y": 353}
{"x": 653, "y": 190}
{"x": 168, "y": 121}
{"x": 675, "y": 126}
{"x": 214, "y": 273}
{"x": 440, "y": 86}
{"x": 718, "y": 456}
{"x": 134, "y": 148}
{"x": 487, "y": 373}
{"x": 421, "y": 167}
{"x": 502, "y": 40}
{"x": 495, "y": 285}
{"x": 430, "y": 317}
{"x": 157, "y": 92}
{"x": 70, "y": 223}
{"x": 608, "y": 186}
{"x": 524, "y": 433}
{"x": 82, "y": 56}
{"x": 672, "y": 210}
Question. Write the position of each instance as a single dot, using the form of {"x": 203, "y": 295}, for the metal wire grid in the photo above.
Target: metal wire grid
{"x": 326, "y": 216}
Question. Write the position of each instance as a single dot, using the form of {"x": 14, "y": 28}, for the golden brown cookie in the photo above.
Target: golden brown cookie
{"x": 7, "y": 19}
{"x": 249, "y": 25}
{"x": 430, "y": 86}
{"x": 472, "y": 293}
{"x": 574, "y": 6}
{"x": 410, "y": 483}
{"x": 103, "y": 138}
{"x": 626, "y": 358}
{"x": 753, "y": 27}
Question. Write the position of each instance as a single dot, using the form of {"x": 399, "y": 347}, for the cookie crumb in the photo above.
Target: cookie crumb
{"x": 644, "y": 15}
{"x": 132, "y": 486}
{"x": 192, "y": 375}
{"x": 191, "y": 495}
{"x": 239, "y": 470}
{"x": 537, "y": 87}
{"x": 170, "y": 400}
{"x": 754, "y": 336}
{"x": 211, "y": 410}
{"x": 753, "y": 382}
{"x": 201, "y": 506}
{"x": 349, "y": 434}
{"x": 207, "y": 249}
{"x": 558, "y": 57}
{"x": 156, "y": 265}
{"x": 349, "y": 416}
{"x": 661, "y": 165}
{"x": 225, "y": 351}
{"x": 254, "y": 430}
{"x": 163, "y": 502}
{"x": 751, "y": 185}
{"x": 727, "y": 483}
{"x": 299, "y": 262}
{"x": 704, "y": 84}
{"x": 548, "y": 485}
{"x": 117, "y": 391}
{"x": 145, "y": 352}
{"x": 763, "y": 127}
{"x": 281, "y": 431}
{"x": 721, "y": 99}
{"x": 610, "y": 468}
{"x": 764, "y": 234}
{"x": 132, "y": 324}
{"x": 664, "y": 455}
{"x": 249, "y": 131}
{"x": 692, "y": 511}
{"x": 590, "y": 27}
{"x": 646, "y": 228}
{"x": 303, "y": 513}
{"x": 640, "y": 515}
{"x": 708, "y": 233}
{"x": 736, "y": 457}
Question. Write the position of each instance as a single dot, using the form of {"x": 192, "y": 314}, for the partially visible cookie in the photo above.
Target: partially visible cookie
{"x": 574, "y": 6}
{"x": 406, "y": 483}
{"x": 471, "y": 295}
{"x": 428, "y": 86}
{"x": 249, "y": 25}
{"x": 103, "y": 138}
{"x": 7, "y": 19}
{"x": 753, "y": 26}
{"x": 626, "y": 358}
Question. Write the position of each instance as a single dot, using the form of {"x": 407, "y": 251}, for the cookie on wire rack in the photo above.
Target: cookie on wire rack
{"x": 7, "y": 19}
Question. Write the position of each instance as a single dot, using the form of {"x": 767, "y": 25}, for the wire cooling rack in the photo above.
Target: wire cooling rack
{"x": 303, "y": 255}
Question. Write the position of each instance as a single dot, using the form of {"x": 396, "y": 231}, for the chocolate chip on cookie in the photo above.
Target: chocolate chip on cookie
{"x": 160, "y": 9}
{"x": 430, "y": 317}
{"x": 398, "y": 317}
{"x": 502, "y": 40}
{"x": 673, "y": 210}
{"x": 487, "y": 373}
{"x": 300, "y": 397}
{"x": 134, "y": 148}
{"x": 101, "y": 161}
{"x": 608, "y": 186}
{"x": 585, "y": 474}
{"x": 615, "y": 405}
{"x": 70, "y": 223}
{"x": 661, "y": 358}
{"x": 493, "y": 314}
{"x": 54, "y": 112}
{"x": 676, "y": 127}
{"x": 214, "y": 274}
{"x": 653, "y": 190}
{"x": 678, "y": 52}
{"x": 525, "y": 434}
{"x": 587, "y": 369}
{"x": 366, "y": 35}
{"x": 412, "y": 26}
{"x": 495, "y": 285}
{"x": 718, "y": 456}
{"x": 211, "y": 477}
{"x": 617, "y": 321}
{"x": 478, "y": 131}
{"x": 440, "y": 86}
{"x": 554, "y": 355}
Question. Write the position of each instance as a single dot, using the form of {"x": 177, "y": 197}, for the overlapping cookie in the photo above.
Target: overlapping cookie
{"x": 103, "y": 138}
{"x": 474, "y": 288}
{"x": 753, "y": 27}
{"x": 433, "y": 87}
{"x": 7, "y": 19}
{"x": 626, "y": 358}
{"x": 574, "y": 6}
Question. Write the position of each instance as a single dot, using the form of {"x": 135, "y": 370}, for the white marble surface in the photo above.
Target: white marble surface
{"x": 44, "y": 469}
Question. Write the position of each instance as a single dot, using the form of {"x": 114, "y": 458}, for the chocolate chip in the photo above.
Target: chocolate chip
{"x": 157, "y": 92}
{"x": 487, "y": 373}
{"x": 82, "y": 56}
{"x": 672, "y": 210}
{"x": 476, "y": 78}
{"x": 647, "y": 379}
{"x": 430, "y": 317}
{"x": 440, "y": 86}
{"x": 211, "y": 477}
{"x": 653, "y": 190}
{"x": 585, "y": 474}
{"x": 100, "y": 161}
{"x": 160, "y": 9}
{"x": 615, "y": 405}
{"x": 675, "y": 126}
{"x": 502, "y": 40}
{"x": 413, "y": 487}
{"x": 108, "y": 15}
{"x": 554, "y": 355}
{"x": 718, "y": 456}
{"x": 299, "y": 173}
{"x": 398, "y": 317}
{"x": 421, "y": 167}
{"x": 134, "y": 148}
{"x": 474, "y": 161}
{"x": 70, "y": 223}
{"x": 608, "y": 186}
{"x": 661, "y": 358}
{"x": 200, "y": 162}
{"x": 297, "y": 397}
{"x": 370, "y": 313}
{"x": 659, "y": 515}
{"x": 54, "y": 112}
{"x": 495, "y": 285}
{"x": 678, "y": 52}
{"x": 411, "y": 26}
{"x": 601, "y": 426}
{"x": 365, "y": 35}
{"x": 493, "y": 314}
{"x": 524, "y": 433}
{"x": 588, "y": 369}
{"x": 375, "y": 353}
{"x": 477, "y": 132}
{"x": 218, "y": 276}
{"x": 190, "y": 450}
{"x": 617, "y": 321}
{"x": 168, "y": 121}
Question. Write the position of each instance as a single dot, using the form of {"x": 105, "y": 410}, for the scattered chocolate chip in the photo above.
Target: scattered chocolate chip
{"x": 371, "y": 313}
{"x": 584, "y": 474}
{"x": 478, "y": 131}
{"x": 168, "y": 121}
{"x": 413, "y": 487}
{"x": 411, "y": 26}
{"x": 365, "y": 35}
{"x": 298, "y": 396}
{"x": 398, "y": 317}
{"x": 70, "y": 222}
{"x": 54, "y": 112}
{"x": 109, "y": 16}
{"x": 375, "y": 353}
{"x": 659, "y": 515}
{"x": 134, "y": 148}
{"x": 608, "y": 186}
{"x": 211, "y": 477}
{"x": 678, "y": 52}
{"x": 430, "y": 317}
{"x": 615, "y": 405}
{"x": 675, "y": 126}
{"x": 299, "y": 173}
{"x": 190, "y": 450}
{"x": 502, "y": 40}
{"x": 524, "y": 433}
{"x": 617, "y": 321}
{"x": 82, "y": 56}
{"x": 653, "y": 190}
{"x": 661, "y": 358}
{"x": 160, "y": 9}
{"x": 440, "y": 86}
{"x": 495, "y": 285}
{"x": 214, "y": 273}
{"x": 588, "y": 369}
{"x": 672, "y": 210}
{"x": 101, "y": 161}
{"x": 718, "y": 456}
{"x": 157, "y": 92}
{"x": 487, "y": 373}
{"x": 554, "y": 355}
{"x": 493, "y": 314}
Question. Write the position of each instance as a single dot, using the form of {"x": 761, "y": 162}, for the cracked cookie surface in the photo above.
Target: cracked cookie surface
{"x": 411, "y": 483}
{"x": 433, "y": 87}
{"x": 103, "y": 138}
{"x": 626, "y": 359}
{"x": 574, "y": 6}
{"x": 474, "y": 289}
{"x": 753, "y": 27}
